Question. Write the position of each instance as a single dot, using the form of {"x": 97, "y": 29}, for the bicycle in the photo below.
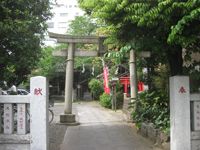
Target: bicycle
{"x": 51, "y": 114}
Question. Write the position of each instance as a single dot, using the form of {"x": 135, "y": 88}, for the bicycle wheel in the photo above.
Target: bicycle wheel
{"x": 51, "y": 116}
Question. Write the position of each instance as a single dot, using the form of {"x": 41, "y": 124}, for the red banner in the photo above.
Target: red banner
{"x": 106, "y": 87}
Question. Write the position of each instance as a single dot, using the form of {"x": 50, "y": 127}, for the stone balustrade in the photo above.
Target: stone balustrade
{"x": 20, "y": 138}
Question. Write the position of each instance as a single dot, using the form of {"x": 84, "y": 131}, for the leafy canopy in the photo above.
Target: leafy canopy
{"x": 22, "y": 25}
{"x": 163, "y": 27}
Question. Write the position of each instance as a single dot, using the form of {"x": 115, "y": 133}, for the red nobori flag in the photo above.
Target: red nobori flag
{"x": 106, "y": 87}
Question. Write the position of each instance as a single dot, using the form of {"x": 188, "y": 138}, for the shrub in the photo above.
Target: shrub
{"x": 96, "y": 87}
{"x": 119, "y": 98}
{"x": 105, "y": 100}
{"x": 152, "y": 109}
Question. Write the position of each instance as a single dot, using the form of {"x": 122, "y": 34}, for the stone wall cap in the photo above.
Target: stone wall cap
{"x": 195, "y": 97}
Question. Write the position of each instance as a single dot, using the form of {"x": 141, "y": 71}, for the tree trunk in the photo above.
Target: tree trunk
{"x": 175, "y": 60}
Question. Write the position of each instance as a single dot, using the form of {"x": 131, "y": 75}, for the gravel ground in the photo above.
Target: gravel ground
{"x": 56, "y": 132}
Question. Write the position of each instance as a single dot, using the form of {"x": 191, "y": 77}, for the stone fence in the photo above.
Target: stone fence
{"x": 20, "y": 138}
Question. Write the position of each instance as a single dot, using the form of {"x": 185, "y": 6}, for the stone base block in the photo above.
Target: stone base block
{"x": 67, "y": 118}
{"x": 152, "y": 133}
{"x": 68, "y": 124}
{"x": 144, "y": 130}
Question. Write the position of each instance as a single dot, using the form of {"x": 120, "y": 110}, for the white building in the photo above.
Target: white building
{"x": 64, "y": 11}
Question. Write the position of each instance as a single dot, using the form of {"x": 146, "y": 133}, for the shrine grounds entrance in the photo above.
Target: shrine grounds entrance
{"x": 182, "y": 137}
{"x": 67, "y": 117}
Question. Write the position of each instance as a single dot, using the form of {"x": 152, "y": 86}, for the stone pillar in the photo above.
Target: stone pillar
{"x": 8, "y": 119}
{"x": 195, "y": 117}
{"x": 180, "y": 113}
{"x": 69, "y": 79}
{"x": 133, "y": 75}
{"x": 21, "y": 118}
{"x": 68, "y": 117}
{"x": 39, "y": 113}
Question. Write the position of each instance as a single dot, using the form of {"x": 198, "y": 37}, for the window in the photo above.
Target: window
{"x": 50, "y": 24}
{"x": 77, "y": 14}
{"x": 62, "y": 24}
{"x": 70, "y": 6}
{"x": 75, "y": 6}
{"x": 63, "y": 14}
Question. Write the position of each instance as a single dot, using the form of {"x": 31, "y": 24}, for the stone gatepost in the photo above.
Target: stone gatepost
{"x": 39, "y": 110}
{"x": 180, "y": 113}
{"x": 195, "y": 117}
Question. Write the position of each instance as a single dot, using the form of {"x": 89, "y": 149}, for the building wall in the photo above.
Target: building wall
{"x": 64, "y": 11}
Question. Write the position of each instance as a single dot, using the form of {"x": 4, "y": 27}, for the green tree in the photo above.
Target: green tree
{"x": 22, "y": 26}
{"x": 96, "y": 87}
{"x": 146, "y": 25}
{"x": 82, "y": 25}
{"x": 51, "y": 66}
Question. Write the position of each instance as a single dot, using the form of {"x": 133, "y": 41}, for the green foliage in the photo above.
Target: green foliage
{"x": 50, "y": 66}
{"x": 33, "y": 74}
{"x": 13, "y": 93}
{"x": 119, "y": 56}
{"x": 189, "y": 22}
{"x": 96, "y": 87}
{"x": 82, "y": 25}
{"x": 105, "y": 100}
{"x": 161, "y": 77}
{"x": 119, "y": 98}
{"x": 162, "y": 27}
{"x": 153, "y": 108}
{"x": 22, "y": 26}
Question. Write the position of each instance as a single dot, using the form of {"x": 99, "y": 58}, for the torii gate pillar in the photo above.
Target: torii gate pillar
{"x": 133, "y": 74}
{"x": 69, "y": 79}
{"x": 68, "y": 117}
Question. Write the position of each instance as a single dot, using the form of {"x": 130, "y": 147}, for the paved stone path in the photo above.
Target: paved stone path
{"x": 99, "y": 130}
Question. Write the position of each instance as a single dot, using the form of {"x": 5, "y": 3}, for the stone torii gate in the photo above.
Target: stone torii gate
{"x": 67, "y": 117}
